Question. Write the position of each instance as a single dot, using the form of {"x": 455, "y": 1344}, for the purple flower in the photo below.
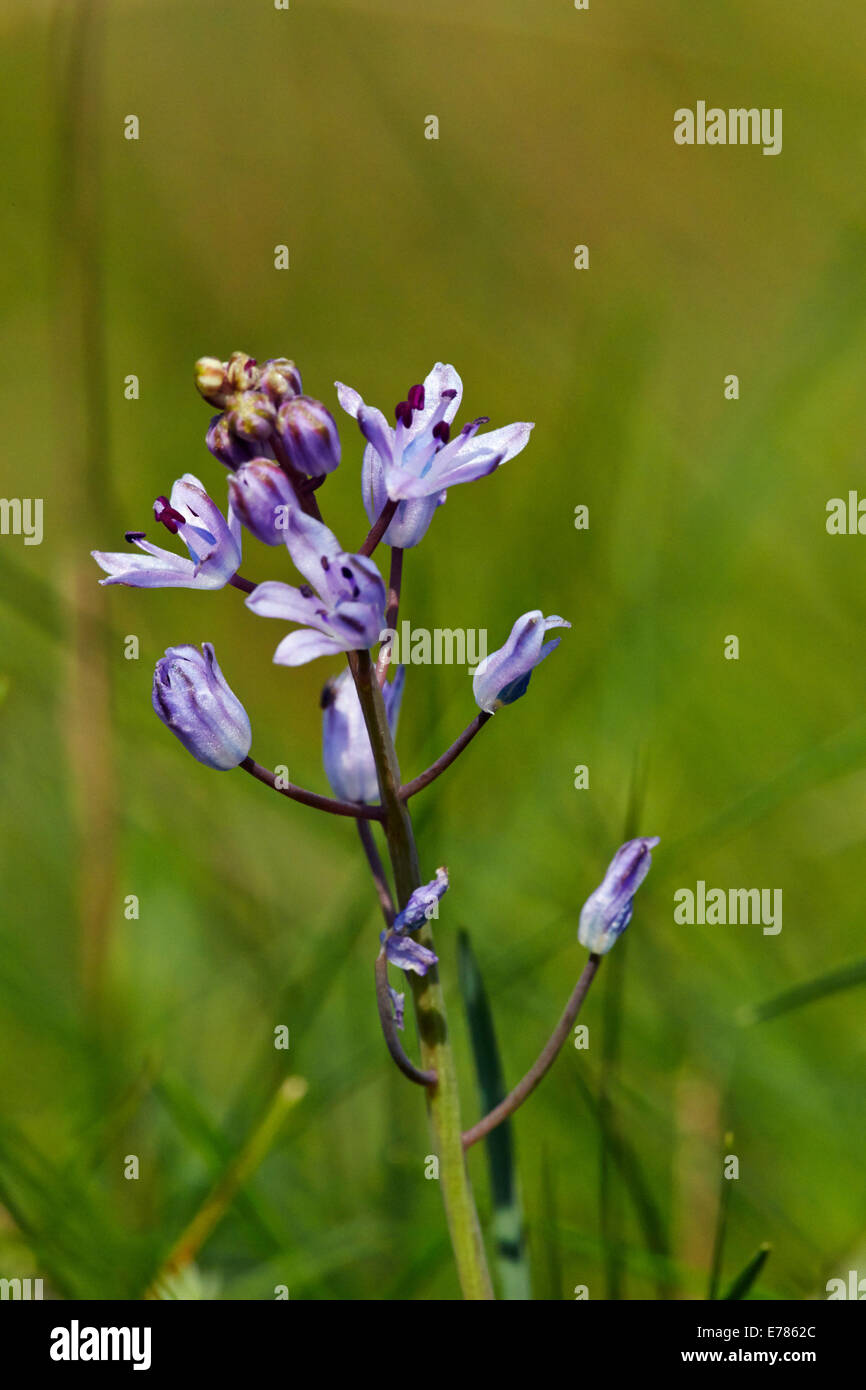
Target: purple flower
{"x": 261, "y": 495}
{"x": 348, "y": 756}
{"x": 230, "y": 450}
{"x": 342, "y": 605}
{"x": 214, "y": 545}
{"x": 407, "y": 954}
{"x": 400, "y": 949}
{"x": 193, "y": 699}
{"x": 420, "y": 906}
{"x": 309, "y": 432}
{"x": 502, "y": 677}
{"x": 607, "y": 912}
{"x": 415, "y": 462}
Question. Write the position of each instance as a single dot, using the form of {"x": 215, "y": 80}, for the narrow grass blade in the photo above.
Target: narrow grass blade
{"x": 636, "y": 1186}
{"x": 747, "y": 1276}
{"x": 550, "y": 1230}
{"x": 844, "y": 977}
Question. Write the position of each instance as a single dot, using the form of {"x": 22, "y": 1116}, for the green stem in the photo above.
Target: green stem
{"x": 443, "y": 1101}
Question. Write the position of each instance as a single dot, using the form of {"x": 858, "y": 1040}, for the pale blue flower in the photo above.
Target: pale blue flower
{"x": 342, "y": 606}
{"x": 214, "y": 545}
{"x": 503, "y": 676}
{"x": 416, "y": 461}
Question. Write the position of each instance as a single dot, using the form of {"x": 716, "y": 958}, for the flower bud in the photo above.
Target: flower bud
{"x": 192, "y": 698}
{"x": 252, "y": 415}
{"x": 347, "y": 755}
{"x": 212, "y": 381}
{"x": 260, "y": 493}
{"x": 280, "y": 379}
{"x": 309, "y": 433}
{"x": 607, "y": 912}
{"x": 231, "y": 450}
{"x": 503, "y": 677}
{"x": 242, "y": 372}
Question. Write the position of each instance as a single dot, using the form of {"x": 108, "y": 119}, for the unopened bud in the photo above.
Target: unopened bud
{"x": 260, "y": 495}
{"x": 280, "y": 379}
{"x": 252, "y": 416}
{"x": 230, "y": 450}
{"x": 309, "y": 434}
{"x": 212, "y": 381}
{"x": 242, "y": 371}
{"x": 193, "y": 699}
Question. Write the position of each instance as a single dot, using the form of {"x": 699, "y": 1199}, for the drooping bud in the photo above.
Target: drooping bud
{"x": 503, "y": 676}
{"x": 309, "y": 432}
{"x": 261, "y": 495}
{"x": 607, "y": 912}
{"x": 193, "y": 699}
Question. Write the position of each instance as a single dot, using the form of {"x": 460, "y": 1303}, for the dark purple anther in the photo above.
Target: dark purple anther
{"x": 442, "y": 431}
{"x": 403, "y": 413}
{"x": 131, "y": 536}
{"x": 167, "y": 515}
{"x": 416, "y": 397}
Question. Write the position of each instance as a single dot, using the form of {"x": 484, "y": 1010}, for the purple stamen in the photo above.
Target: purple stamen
{"x": 131, "y": 536}
{"x": 416, "y": 397}
{"x": 403, "y": 413}
{"x": 442, "y": 431}
{"x": 167, "y": 516}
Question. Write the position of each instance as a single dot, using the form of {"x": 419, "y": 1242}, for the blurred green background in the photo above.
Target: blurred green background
{"x": 154, "y": 1036}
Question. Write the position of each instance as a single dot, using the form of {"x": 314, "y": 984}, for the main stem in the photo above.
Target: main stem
{"x": 443, "y": 1101}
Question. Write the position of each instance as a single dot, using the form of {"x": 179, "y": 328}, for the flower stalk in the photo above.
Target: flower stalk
{"x": 443, "y": 1101}
{"x": 320, "y": 803}
{"x": 545, "y": 1060}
